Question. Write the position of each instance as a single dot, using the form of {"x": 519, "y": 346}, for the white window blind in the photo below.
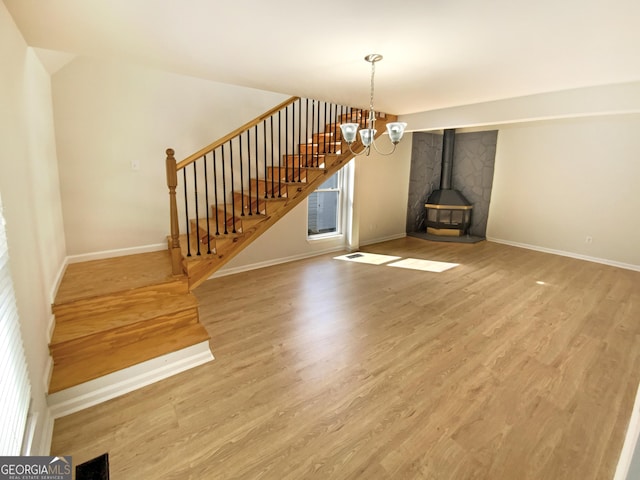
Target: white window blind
{"x": 15, "y": 389}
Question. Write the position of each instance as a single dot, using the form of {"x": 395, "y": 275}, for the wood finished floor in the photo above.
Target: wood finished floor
{"x": 332, "y": 369}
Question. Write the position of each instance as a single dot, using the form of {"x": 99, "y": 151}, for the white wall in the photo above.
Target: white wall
{"x": 382, "y": 190}
{"x": 32, "y": 209}
{"x": 286, "y": 240}
{"x": 557, "y": 182}
{"x": 109, "y": 114}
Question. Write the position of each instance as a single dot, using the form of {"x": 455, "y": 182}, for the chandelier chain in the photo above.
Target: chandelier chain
{"x": 394, "y": 129}
{"x": 372, "y": 114}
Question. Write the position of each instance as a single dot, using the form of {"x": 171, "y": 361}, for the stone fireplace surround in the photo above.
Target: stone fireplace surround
{"x": 473, "y": 163}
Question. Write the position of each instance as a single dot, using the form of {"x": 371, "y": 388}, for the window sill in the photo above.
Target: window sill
{"x": 324, "y": 236}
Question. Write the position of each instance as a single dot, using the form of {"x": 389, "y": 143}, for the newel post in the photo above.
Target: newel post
{"x": 174, "y": 239}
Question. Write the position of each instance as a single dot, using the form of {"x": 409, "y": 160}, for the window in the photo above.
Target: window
{"x": 14, "y": 380}
{"x": 325, "y": 205}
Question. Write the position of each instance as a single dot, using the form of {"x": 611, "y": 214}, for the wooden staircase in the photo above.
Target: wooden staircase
{"x": 279, "y": 190}
{"x": 115, "y": 313}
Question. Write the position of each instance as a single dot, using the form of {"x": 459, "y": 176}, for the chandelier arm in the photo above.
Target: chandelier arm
{"x": 365, "y": 151}
{"x": 373, "y": 142}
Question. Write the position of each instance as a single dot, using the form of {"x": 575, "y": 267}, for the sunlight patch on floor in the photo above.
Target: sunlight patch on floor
{"x": 392, "y": 261}
{"x": 424, "y": 265}
{"x": 370, "y": 258}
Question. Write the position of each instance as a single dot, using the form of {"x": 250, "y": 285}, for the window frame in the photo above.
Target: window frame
{"x": 340, "y": 214}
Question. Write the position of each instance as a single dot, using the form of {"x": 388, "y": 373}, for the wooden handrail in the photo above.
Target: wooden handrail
{"x": 256, "y": 121}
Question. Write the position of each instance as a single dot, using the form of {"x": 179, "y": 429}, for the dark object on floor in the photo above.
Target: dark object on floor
{"x": 96, "y": 469}
{"x": 355, "y": 255}
{"x": 441, "y": 238}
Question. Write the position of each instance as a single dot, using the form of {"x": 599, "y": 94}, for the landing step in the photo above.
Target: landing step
{"x": 118, "y": 274}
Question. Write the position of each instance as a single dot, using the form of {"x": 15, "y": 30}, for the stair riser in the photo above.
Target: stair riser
{"x": 330, "y": 136}
{"x": 333, "y": 161}
{"x": 334, "y": 130}
{"x": 266, "y": 206}
{"x": 207, "y": 239}
{"x": 354, "y": 117}
{"x": 112, "y": 340}
{"x": 303, "y": 161}
{"x": 319, "y": 148}
{"x": 290, "y": 174}
{"x": 221, "y": 215}
{"x": 272, "y": 186}
{"x": 298, "y": 176}
{"x": 213, "y": 233}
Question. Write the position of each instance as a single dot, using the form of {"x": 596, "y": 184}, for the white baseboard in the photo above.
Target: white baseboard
{"x": 47, "y": 434}
{"x": 604, "y": 261}
{"x": 58, "y": 280}
{"x": 220, "y": 273}
{"x": 383, "y": 239}
{"x": 120, "y": 252}
{"x": 277, "y": 261}
{"x": 48, "y": 371}
{"x": 124, "y": 381}
{"x": 51, "y": 325}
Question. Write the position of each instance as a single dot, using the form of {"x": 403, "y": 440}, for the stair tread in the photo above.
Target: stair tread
{"x": 194, "y": 249}
{"x": 297, "y": 175}
{"x": 202, "y": 224}
{"x": 79, "y": 370}
{"x": 89, "y": 319}
{"x": 275, "y": 181}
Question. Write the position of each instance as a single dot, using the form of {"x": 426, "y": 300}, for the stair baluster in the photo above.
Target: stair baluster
{"x": 224, "y": 194}
{"x": 186, "y": 210}
{"x": 206, "y": 196}
{"x": 233, "y": 201}
{"x": 215, "y": 193}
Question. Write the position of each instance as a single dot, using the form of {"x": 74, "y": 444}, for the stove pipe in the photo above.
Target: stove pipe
{"x": 447, "y": 158}
{"x": 446, "y": 195}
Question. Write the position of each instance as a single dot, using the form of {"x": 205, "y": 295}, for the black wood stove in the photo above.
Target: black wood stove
{"x": 448, "y": 211}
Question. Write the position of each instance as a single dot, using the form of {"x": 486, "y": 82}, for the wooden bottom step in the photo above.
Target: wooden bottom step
{"x": 88, "y": 322}
{"x": 119, "y": 349}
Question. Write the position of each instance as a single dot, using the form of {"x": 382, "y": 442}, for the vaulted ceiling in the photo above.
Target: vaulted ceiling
{"x": 437, "y": 53}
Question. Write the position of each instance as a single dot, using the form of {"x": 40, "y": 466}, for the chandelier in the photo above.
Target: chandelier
{"x": 367, "y": 135}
